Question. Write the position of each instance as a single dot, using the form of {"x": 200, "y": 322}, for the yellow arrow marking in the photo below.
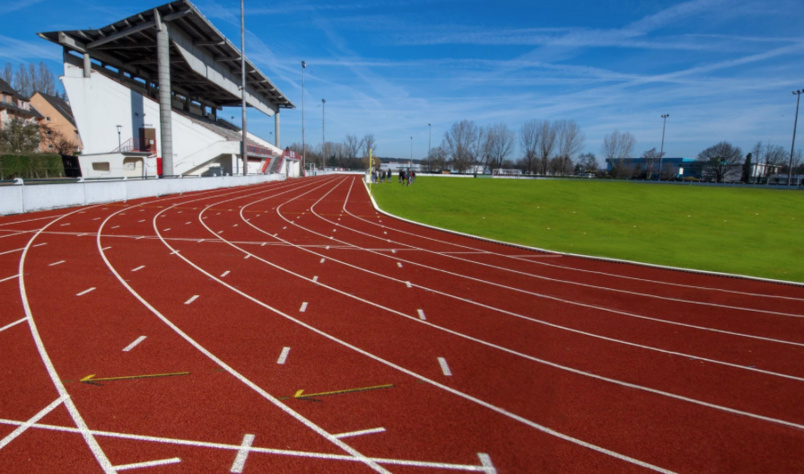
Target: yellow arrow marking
{"x": 301, "y": 394}
{"x": 91, "y": 377}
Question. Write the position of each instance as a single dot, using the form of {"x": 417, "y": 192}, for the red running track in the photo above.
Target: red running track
{"x": 290, "y": 327}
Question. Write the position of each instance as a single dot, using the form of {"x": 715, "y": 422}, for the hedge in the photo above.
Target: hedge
{"x": 28, "y": 166}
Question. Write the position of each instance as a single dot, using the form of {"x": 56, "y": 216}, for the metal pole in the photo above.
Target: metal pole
{"x": 119, "y": 140}
{"x": 304, "y": 150}
{"x": 411, "y": 148}
{"x": 323, "y": 138}
{"x": 243, "y": 145}
{"x": 661, "y": 153}
{"x": 793, "y": 146}
{"x": 429, "y": 143}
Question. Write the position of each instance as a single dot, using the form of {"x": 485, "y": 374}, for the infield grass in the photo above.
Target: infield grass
{"x": 757, "y": 232}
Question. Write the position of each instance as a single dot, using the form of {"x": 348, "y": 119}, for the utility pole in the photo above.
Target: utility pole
{"x": 661, "y": 153}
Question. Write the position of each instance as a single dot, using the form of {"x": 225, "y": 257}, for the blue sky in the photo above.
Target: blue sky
{"x": 723, "y": 70}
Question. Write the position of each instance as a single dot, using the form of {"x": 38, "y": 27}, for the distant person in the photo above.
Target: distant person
{"x": 412, "y": 176}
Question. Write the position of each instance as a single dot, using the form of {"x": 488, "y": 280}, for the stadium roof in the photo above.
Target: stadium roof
{"x": 204, "y": 65}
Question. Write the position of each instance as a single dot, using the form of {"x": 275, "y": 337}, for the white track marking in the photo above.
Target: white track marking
{"x": 12, "y": 251}
{"x": 81, "y": 426}
{"x": 88, "y": 290}
{"x": 242, "y": 454}
{"x": 283, "y": 357}
{"x": 192, "y": 298}
{"x": 64, "y": 225}
{"x": 10, "y": 325}
{"x": 223, "y": 275}
{"x": 56, "y": 263}
{"x": 485, "y": 461}
{"x": 323, "y": 260}
{"x": 140, "y": 237}
{"x": 399, "y": 264}
{"x": 315, "y": 279}
{"x": 39, "y": 245}
{"x": 21, "y": 429}
{"x": 138, "y": 268}
{"x": 303, "y": 307}
{"x": 8, "y": 278}
{"x": 444, "y": 367}
{"x": 134, "y": 344}
{"x": 140, "y": 465}
{"x": 421, "y": 314}
{"x": 106, "y": 248}
{"x": 234, "y": 447}
{"x": 166, "y": 229}
{"x": 360, "y": 433}
{"x": 407, "y": 283}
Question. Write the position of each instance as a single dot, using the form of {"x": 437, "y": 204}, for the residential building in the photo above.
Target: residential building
{"x": 59, "y": 131}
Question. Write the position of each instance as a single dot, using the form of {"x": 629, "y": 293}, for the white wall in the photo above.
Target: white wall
{"x": 19, "y": 198}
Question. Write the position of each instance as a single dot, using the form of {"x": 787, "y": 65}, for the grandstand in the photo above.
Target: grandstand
{"x": 132, "y": 126}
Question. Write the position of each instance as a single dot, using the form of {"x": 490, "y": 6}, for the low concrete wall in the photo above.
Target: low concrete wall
{"x": 20, "y": 197}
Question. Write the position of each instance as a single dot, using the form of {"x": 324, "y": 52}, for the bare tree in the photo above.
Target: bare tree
{"x": 44, "y": 80}
{"x": 570, "y": 140}
{"x": 461, "y": 144}
{"x": 547, "y": 143}
{"x": 368, "y": 143}
{"x": 616, "y": 147}
{"x": 529, "y": 137}
{"x": 56, "y": 142}
{"x": 352, "y": 146}
{"x": 651, "y": 157}
{"x": 721, "y": 160}
{"x": 587, "y": 162}
{"x": 23, "y": 82}
{"x": 8, "y": 74}
{"x": 499, "y": 141}
{"x": 438, "y": 157}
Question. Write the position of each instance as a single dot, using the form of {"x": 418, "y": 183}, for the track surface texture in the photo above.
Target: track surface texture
{"x": 291, "y": 327}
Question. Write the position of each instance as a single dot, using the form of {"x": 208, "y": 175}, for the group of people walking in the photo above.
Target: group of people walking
{"x": 405, "y": 177}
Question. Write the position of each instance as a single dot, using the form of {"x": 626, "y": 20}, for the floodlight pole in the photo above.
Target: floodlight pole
{"x": 323, "y": 137}
{"x": 793, "y": 146}
{"x": 661, "y": 153}
{"x": 304, "y": 150}
{"x": 429, "y": 143}
{"x": 119, "y": 140}
{"x": 243, "y": 145}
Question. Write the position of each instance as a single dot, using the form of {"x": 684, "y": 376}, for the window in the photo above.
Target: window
{"x": 101, "y": 166}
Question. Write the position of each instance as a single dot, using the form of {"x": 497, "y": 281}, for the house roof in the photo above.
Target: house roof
{"x": 61, "y": 106}
{"x": 6, "y": 88}
{"x": 205, "y": 65}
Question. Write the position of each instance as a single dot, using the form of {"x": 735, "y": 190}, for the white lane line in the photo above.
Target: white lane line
{"x": 64, "y": 225}
{"x": 96, "y": 219}
{"x": 9, "y": 278}
{"x": 248, "y": 255}
{"x": 223, "y": 275}
{"x": 134, "y": 344}
{"x": 283, "y": 356}
{"x": 88, "y": 290}
{"x": 115, "y": 227}
{"x": 141, "y": 220}
{"x": 303, "y": 307}
{"x": 166, "y": 229}
{"x": 220, "y": 232}
{"x": 7, "y": 326}
{"x": 393, "y": 251}
{"x": 327, "y": 247}
{"x": 407, "y": 283}
{"x": 359, "y": 433}
{"x": 106, "y": 248}
{"x": 140, "y": 465}
{"x": 56, "y": 263}
{"x": 192, "y": 298}
{"x": 12, "y": 251}
{"x": 140, "y": 237}
{"x": 242, "y": 454}
{"x": 315, "y": 279}
{"x": 80, "y": 235}
{"x": 399, "y": 264}
{"x": 174, "y": 252}
{"x": 234, "y": 225}
{"x": 39, "y": 245}
{"x": 188, "y": 222}
{"x": 21, "y": 429}
{"x": 421, "y": 314}
{"x": 444, "y": 367}
{"x": 138, "y": 268}
{"x": 263, "y": 244}
{"x": 485, "y": 461}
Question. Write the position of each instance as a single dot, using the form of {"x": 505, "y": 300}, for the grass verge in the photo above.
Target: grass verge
{"x": 757, "y": 232}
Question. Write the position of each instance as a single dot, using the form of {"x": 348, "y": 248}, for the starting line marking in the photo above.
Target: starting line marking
{"x": 283, "y": 356}
{"x": 9, "y": 278}
{"x": 223, "y": 275}
{"x": 421, "y": 314}
{"x": 134, "y": 344}
{"x": 7, "y": 326}
{"x": 88, "y": 290}
{"x": 303, "y": 307}
{"x": 56, "y": 263}
{"x": 138, "y": 268}
{"x": 242, "y": 453}
{"x": 360, "y": 433}
{"x": 139, "y": 465}
{"x": 444, "y": 367}
{"x": 192, "y": 298}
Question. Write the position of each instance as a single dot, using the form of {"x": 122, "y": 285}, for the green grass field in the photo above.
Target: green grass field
{"x": 758, "y": 232}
